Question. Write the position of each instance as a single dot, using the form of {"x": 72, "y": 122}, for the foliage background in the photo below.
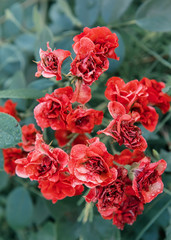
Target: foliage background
{"x": 144, "y": 30}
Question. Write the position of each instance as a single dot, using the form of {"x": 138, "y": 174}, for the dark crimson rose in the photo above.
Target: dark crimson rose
{"x": 82, "y": 120}
{"x": 155, "y": 95}
{"x": 28, "y": 137}
{"x": 51, "y": 62}
{"x": 10, "y": 108}
{"x": 147, "y": 182}
{"x": 54, "y": 108}
{"x": 60, "y": 189}
{"x": 44, "y": 163}
{"x": 92, "y": 165}
{"x": 104, "y": 40}
{"x": 122, "y": 128}
{"x": 10, "y": 155}
{"x": 88, "y": 65}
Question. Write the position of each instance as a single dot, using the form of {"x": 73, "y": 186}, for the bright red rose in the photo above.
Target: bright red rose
{"x": 82, "y": 93}
{"x": 88, "y": 64}
{"x": 51, "y": 62}
{"x": 122, "y": 128}
{"x": 148, "y": 116}
{"x": 54, "y": 108}
{"x": 155, "y": 95}
{"x": 60, "y": 189}
{"x": 82, "y": 120}
{"x": 10, "y": 108}
{"x": 126, "y": 157}
{"x": 64, "y": 136}
{"x": 10, "y": 155}
{"x": 44, "y": 163}
{"x": 147, "y": 182}
{"x": 127, "y": 94}
{"x": 28, "y": 137}
{"x": 104, "y": 40}
{"x": 92, "y": 165}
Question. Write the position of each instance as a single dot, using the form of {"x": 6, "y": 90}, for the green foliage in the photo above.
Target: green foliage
{"x": 10, "y": 132}
{"x": 19, "y": 209}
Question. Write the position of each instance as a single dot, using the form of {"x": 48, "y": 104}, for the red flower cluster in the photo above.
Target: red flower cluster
{"x": 120, "y": 184}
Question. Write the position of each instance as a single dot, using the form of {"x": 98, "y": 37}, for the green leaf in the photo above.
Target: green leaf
{"x": 154, "y": 15}
{"x": 113, "y": 9}
{"x": 1, "y": 160}
{"x": 10, "y": 131}
{"x": 65, "y": 8}
{"x": 167, "y": 157}
{"x": 87, "y": 11}
{"x": 44, "y": 36}
{"x": 26, "y": 42}
{"x": 19, "y": 209}
{"x": 3, "y": 180}
{"x": 48, "y": 231}
{"x": 41, "y": 212}
{"x": 37, "y": 19}
{"x": 168, "y": 229}
{"x": 41, "y": 84}
{"x": 25, "y": 93}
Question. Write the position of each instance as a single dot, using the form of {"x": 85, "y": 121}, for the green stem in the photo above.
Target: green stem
{"x": 124, "y": 24}
{"x": 152, "y": 220}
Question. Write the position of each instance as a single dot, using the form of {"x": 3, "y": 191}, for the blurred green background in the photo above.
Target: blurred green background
{"x": 144, "y": 31}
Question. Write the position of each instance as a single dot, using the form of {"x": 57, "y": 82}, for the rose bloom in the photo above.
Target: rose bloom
{"x": 92, "y": 164}
{"x": 82, "y": 120}
{"x": 122, "y": 128}
{"x": 51, "y": 62}
{"x": 147, "y": 182}
{"x": 117, "y": 200}
{"x": 10, "y": 155}
{"x": 155, "y": 95}
{"x": 60, "y": 189}
{"x": 125, "y": 93}
{"x": 42, "y": 163}
{"x": 54, "y": 108}
{"x": 87, "y": 64}
{"x": 28, "y": 137}
{"x": 10, "y": 108}
{"x": 104, "y": 40}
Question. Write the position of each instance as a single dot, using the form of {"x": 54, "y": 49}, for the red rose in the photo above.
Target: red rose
{"x": 127, "y": 157}
{"x": 88, "y": 64}
{"x": 104, "y": 40}
{"x": 60, "y": 189}
{"x": 10, "y": 108}
{"x": 82, "y": 120}
{"x": 10, "y": 155}
{"x": 92, "y": 165}
{"x": 147, "y": 182}
{"x": 122, "y": 128}
{"x": 82, "y": 93}
{"x": 127, "y": 94}
{"x": 43, "y": 163}
{"x": 155, "y": 95}
{"x": 54, "y": 108}
{"x": 28, "y": 137}
{"x": 51, "y": 62}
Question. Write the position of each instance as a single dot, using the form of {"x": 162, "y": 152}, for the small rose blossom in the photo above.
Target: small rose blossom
{"x": 54, "y": 108}
{"x": 43, "y": 163}
{"x": 82, "y": 120}
{"x": 10, "y": 108}
{"x": 10, "y": 155}
{"x": 60, "y": 189}
{"x": 87, "y": 64}
{"x": 28, "y": 137}
{"x": 51, "y": 62}
{"x": 104, "y": 40}
{"x": 92, "y": 165}
{"x": 122, "y": 128}
{"x": 147, "y": 182}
